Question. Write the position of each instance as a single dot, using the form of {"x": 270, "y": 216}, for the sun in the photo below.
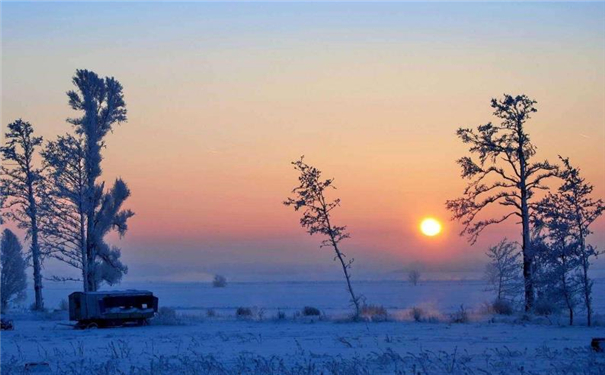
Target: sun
{"x": 430, "y": 227}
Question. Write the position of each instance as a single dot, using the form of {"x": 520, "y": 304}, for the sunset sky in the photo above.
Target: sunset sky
{"x": 221, "y": 97}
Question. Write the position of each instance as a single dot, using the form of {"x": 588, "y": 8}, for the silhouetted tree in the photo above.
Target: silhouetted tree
{"x": 65, "y": 223}
{"x": 504, "y": 175}
{"x": 574, "y": 206}
{"x": 13, "y": 265}
{"x": 22, "y": 186}
{"x": 557, "y": 256}
{"x": 102, "y": 102}
{"x": 310, "y": 197}
{"x": 414, "y": 276}
{"x": 503, "y": 272}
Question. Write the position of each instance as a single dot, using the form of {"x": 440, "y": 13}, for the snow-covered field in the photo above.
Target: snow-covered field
{"x": 264, "y": 344}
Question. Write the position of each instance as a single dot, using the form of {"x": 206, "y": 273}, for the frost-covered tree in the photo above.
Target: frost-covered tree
{"x": 503, "y": 272}
{"x": 557, "y": 256}
{"x": 504, "y": 174}
{"x": 106, "y": 263}
{"x": 310, "y": 197}
{"x": 414, "y": 276}
{"x": 101, "y": 102}
{"x": 13, "y": 265}
{"x": 65, "y": 222}
{"x": 575, "y": 204}
{"x": 22, "y": 186}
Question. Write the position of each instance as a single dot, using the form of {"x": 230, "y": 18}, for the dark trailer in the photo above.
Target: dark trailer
{"x": 112, "y": 308}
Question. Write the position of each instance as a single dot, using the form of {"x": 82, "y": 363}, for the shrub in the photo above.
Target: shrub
{"x": 376, "y": 313}
{"x": 243, "y": 312}
{"x": 545, "y": 307}
{"x": 417, "y": 314}
{"x": 219, "y": 281}
{"x": 281, "y": 315}
{"x": 502, "y": 307}
{"x": 460, "y": 316}
{"x": 210, "y": 313}
{"x": 311, "y": 311}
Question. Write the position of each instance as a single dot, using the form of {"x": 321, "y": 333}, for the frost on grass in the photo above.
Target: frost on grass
{"x": 120, "y": 358}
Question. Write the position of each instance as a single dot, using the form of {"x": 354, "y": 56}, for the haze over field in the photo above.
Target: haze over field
{"x": 220, "y": 102}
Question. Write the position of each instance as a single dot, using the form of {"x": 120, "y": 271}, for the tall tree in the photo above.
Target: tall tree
{"x": 581, "y": 210}
{"x": 101, "y": 102}
{"x": 310, "y": 197}
{"x": 22, "y": 185}
{"x": 504, "y": 175}
{"x": 65, "y": 223}
{"x": 13, "y": 265}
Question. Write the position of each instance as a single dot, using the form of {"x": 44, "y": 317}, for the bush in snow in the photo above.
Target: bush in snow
{"x": 219, "y": 281}
{"x": 502, "y": 307}
{"x": 311, "y": 311}
{"x": 460, "y": 316}
{"x": 210, "y": 313}
{"x": 243, "y": 312}
{"x": 420, "y": 315}
{"x": 374, "y": 313}
{"x": 280, "y": 315}
{"x": 545, "y": 307}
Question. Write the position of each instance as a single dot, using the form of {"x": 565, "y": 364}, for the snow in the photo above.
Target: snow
{"x": 330, "y": 344}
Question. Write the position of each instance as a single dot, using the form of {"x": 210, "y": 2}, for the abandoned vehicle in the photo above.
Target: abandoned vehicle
{"x": 112, "y": 308}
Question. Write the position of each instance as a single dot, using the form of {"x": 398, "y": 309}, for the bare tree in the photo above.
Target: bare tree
{"x": 504, "y": 175}
{"x": 310, "y": 197}
{"x": 503, "y": 272}
{"x": 13, "y": 265}
{"x": 102, "y": 102}
{"x": 22, "y": 186}
{"x": 579, "y": 211}
{"x": 414, "y": 276}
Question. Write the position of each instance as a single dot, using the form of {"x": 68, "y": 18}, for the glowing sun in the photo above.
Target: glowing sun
{"x": 430, "y": 227}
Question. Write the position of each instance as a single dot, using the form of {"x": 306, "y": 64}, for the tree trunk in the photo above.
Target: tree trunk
{"x": 345, "y": 269}
{"x": 526, "y": 245}
{"x": 527, "y": 256}
{"x": 585, "y": 265}
{"x": 83, "y": 251}
{"x": 35, "y": 250}
{"x": 92, "y": 165}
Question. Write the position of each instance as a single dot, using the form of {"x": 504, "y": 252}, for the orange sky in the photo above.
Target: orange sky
{"x": 221, "y": 98}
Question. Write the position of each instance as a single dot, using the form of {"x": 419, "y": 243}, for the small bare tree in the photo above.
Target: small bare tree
{"x": 504, "y": 175}
{"x": 310, "y": 197}
{"x": 414, "y": 276}
{"x": 503, "y": 272}
{"x": 13, "y": 263}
